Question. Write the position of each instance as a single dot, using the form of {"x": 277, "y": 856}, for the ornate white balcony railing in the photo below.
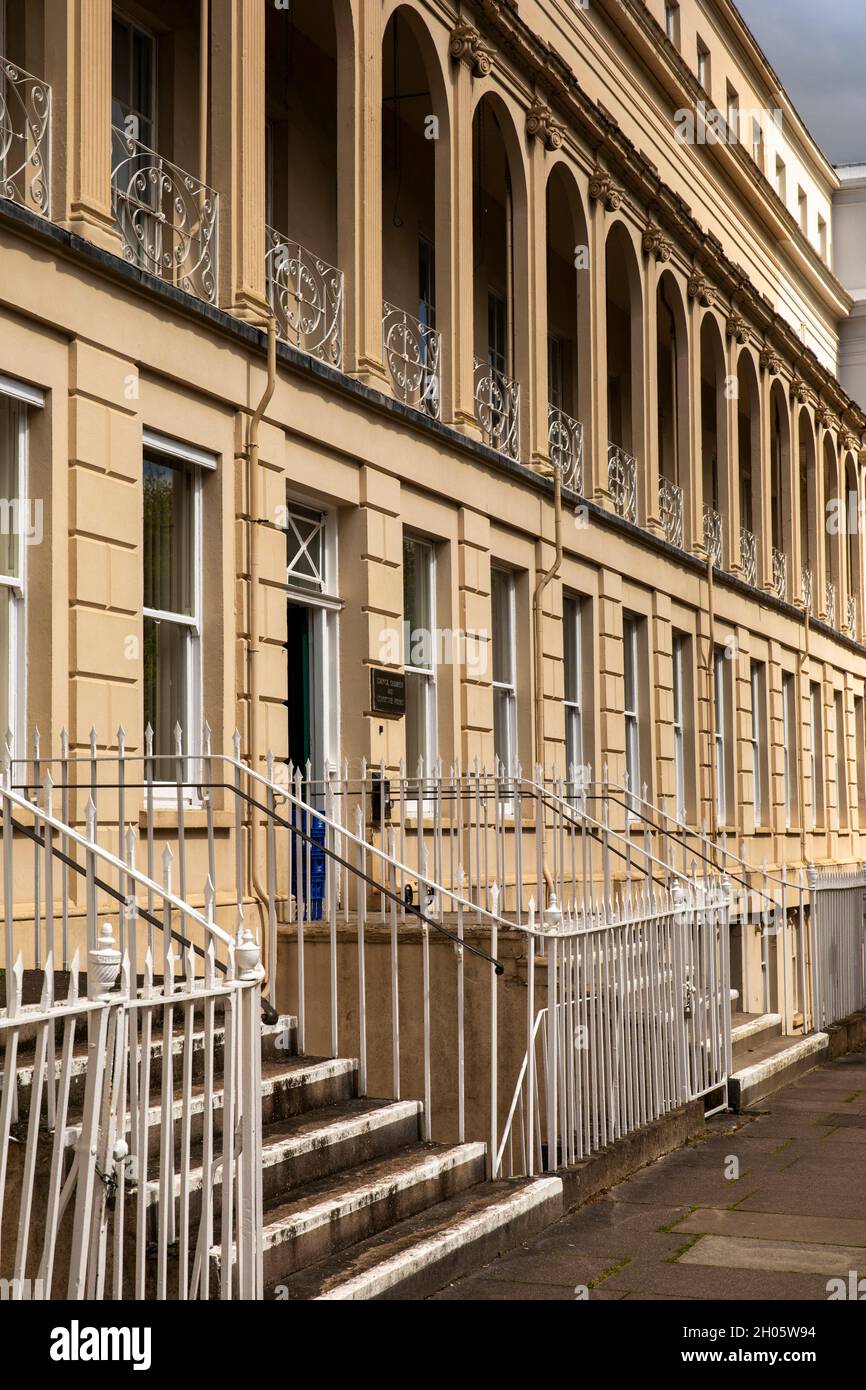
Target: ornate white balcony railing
{"x": 780, "y": 574}
{"x": 25, "y": 138}
{"x": 748, "y": 555}
{"x": 713, "y": 534}
{"x": 806, "y": 590}
{"x": 413, "y": 354}
{"x": 622, "y": 482}
{"x": 565, "y": 441}
{"x": 671, "y": 510}
{"x": 497, "y": 407}
{"x": 168, "y": 219}
{"x": 830, "y": 602}
{"x": 306, "y": 296}
{"x": 852, "y": 614}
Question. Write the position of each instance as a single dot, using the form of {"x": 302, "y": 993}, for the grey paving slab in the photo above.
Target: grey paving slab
{"x": 785, "y": 1257}
{"x": 775, "y": 1226}
{"x": 709, "y": 1282}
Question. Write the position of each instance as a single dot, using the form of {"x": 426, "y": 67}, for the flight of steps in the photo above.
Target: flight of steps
{"x": 356, "y": 1204}
{"x": 763, "y": 1060}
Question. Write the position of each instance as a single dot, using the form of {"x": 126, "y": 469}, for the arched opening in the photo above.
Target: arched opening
{"x": 412, "y": 135}
{"x": 624, "y": 316}
{"x": 304, "y": 283}
{"x": 495, "y": 229}
{"x": 808, "y": 528}
{"x": 567, "y": 311}
{"x": 713, "y": 432}
{"x": 780, "y": 488}
{"x": 672, "y": 387}
{"x": 748, "y": 463}
{"x": 832, "y": 523}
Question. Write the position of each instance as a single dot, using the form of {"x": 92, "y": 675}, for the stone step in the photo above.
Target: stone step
{"x": 749, "y": 1032}
{"x": 328, "y": 1215}
{"x": 292, "y": 1087}
{"x": 418, "y": 1256}
{"x": 775, "y": 1063}
{"x": 278, "y": 1044}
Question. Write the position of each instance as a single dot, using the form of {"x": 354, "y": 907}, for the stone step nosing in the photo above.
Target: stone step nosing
{"x": 427, "y": 1251}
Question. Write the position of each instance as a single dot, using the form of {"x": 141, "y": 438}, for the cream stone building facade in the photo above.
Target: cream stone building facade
{"x": 491, "y": 258}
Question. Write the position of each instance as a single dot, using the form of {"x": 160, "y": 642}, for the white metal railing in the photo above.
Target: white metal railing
{"x": 852, "y": 614}
{"x": 25, "y": 138}
{"x": 622, "y": 482}
{"x": 413, "y": 357}
{"x": 148, "y": 1186}
{"x": 748, "y": 555}
{"x": 780, "y": 574}
{"x": 168, "y": 219}
{"x": 636, "y": 1023}
{"x": 671, "y": 510}
{"x": 497, "y": 408}
{"x": 306, "y": 295}
{"x": 713, "y": 534}
{"x": 806, "y": 589}
{"x": 838, "y": 900}
{"x": 565, "y": 442}
{"x": 830, "y": 602}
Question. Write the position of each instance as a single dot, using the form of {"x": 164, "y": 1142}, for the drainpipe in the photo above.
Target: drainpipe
{"x": 257, "y": 890}
{"x": 203, "y": 59}
{"x": 711, "y": 673}
{"x": 540, "y": 587}
{"x": 804, "y": 657}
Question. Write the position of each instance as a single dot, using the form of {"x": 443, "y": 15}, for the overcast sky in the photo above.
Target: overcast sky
{"x": 818, "y": 49}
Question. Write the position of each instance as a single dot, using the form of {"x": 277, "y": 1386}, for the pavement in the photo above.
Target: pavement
{"x": 768, "y": 1205}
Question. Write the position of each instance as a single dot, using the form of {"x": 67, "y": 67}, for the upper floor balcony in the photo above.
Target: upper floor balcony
{"x": 622, "y": 482}
{"x": 167, "y": 218}
{"x": 497, "y": 407}
{"x": 412, "y": 351}
{"x": 565, "y": 442}
{"x": 306, "y": 295}
{"x": 25, "y": 138}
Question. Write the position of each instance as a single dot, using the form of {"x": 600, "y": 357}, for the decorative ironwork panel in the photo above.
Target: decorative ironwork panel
{"x": 713, "y": 535}
{"x": 167, "y": 218}
{"x": 565, "y": 441}
{"x": 671, "y": 510}
{"x": 748, "y": 555}
{"x": 306, "y": 296}
{"x": 780, "y": 574}
{"x": 622, "y": 482}
{"x": 852, "y": 614}
{"x": 413, "y": 352}
{"x": 806, "y": 590}
{"x": 830, "y": 602}
{"x": 497, "y": 407}
{"x": 25, "y": 138}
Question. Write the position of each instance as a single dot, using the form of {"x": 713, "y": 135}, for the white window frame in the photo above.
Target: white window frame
{"x": 703, "y": 64}
{"x": 173, "y": 452}
{"x": 14, "y": 718}
{"x": 757, "y": 682}
{"x": 816, "y": 741}
{"x": 719, "y": 659}
{"x": 507, "y": 688}
{"x": 631, "y": 653}
{"x": 325, "y": 605}
{"x": 425, "y": 675}
{"x": 572, "y": 612}
{"x": 679, "y": 647}
{"x": 672, "y": 22}
{"x": 860, "y": 748}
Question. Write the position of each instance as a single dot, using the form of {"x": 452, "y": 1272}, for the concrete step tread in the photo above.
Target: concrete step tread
{"x": 378, "y": 1265}
{"x": 779, "y": 1050}
{"x": 286, "y": 1139}
{"x": 332, "y": 1123}
{"x": 329, "y": 1198}
{"x": 746, "y": 1026}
